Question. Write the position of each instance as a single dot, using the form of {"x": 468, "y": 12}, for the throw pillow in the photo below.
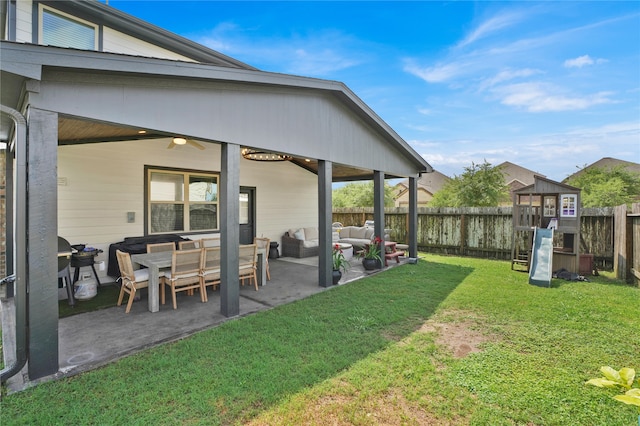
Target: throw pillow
{"x": 299, "y": 234}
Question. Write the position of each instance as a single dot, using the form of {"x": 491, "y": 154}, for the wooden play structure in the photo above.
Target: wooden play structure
{"x": 547, "y": 204}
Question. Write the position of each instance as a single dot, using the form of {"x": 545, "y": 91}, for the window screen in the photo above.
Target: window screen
{"x": 62, "y": 31}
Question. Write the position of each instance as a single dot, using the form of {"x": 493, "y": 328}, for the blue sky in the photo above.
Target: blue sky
{"x": 546, "y": 85}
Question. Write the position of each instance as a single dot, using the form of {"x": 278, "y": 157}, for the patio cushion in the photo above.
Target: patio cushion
{"x": 311, "y": 234}
{"x": 310, "y": 243}
{"x": 359, "y": 232}
{"x": 141, "y": 275}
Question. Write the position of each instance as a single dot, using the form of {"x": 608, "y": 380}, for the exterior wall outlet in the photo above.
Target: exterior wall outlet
{"x": 131, "y": 217}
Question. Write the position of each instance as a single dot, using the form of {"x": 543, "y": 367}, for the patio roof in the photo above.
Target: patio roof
{"x": 317, "y": 119}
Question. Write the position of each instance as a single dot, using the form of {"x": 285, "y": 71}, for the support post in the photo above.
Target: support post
{"x": 325, "y": 177}
{"x": 230, "y": 230}
{"x": 413, "y": 217}
{"x": 42, "y": 242}
{"x": 378, "y": 208}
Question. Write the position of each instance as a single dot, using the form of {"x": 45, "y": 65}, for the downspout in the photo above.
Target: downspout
{"x": 20, "y": 297}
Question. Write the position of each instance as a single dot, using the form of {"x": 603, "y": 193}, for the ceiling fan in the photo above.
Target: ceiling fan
{"x": 182, "y": 141}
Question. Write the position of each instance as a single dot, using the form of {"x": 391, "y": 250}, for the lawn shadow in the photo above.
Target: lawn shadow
{"x": 258, "y": 361}
{"x": 233, "y": 372}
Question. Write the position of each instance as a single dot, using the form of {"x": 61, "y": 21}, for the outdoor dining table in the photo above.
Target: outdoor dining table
{"x": 162, "y": 259}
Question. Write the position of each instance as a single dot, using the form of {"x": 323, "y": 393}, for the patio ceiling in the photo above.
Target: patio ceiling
{"x": 73, "y": 130}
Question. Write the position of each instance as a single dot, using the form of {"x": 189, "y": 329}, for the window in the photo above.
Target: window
{"x": 60, "y": 29}
{"x": 568, "y": 205}
{"x": 550, "y": 206}
{"x": 182, "y": 201}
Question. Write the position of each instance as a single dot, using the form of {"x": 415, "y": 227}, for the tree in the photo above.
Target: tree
{"x": 481, "y": 185}
{"x": 602, "y": 187}
{"x": 360, "y": 195}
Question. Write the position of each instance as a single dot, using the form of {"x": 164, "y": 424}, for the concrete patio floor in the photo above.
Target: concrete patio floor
{"x": 90, "y": 340}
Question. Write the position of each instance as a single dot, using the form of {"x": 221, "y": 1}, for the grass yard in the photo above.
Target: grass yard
{"x": 447, "y": 341}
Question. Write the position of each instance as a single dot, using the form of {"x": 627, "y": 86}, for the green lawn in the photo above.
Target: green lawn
{"x": 366, "y": 353}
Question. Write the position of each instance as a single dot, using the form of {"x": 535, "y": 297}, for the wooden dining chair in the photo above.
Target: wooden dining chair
{"x": 210, "y": 242}
{"x": 159, "y": 247}
{"x": 247, "y": 264}
{"x": 185, "y": 273}
{"x": 264, "y": 243}
{"x": 132, "y": 280}
{"x": 156, "y": 247}
{"x": 210, "y": 269}
{"x": 189, "y": 245}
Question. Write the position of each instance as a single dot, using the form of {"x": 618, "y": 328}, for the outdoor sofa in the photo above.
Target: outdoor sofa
{"x": 303, "y": 242}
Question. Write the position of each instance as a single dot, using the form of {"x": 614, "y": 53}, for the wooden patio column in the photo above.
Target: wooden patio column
{"x": 378, "y": 204}
{"x": 325, "y": 264}
{"x": 42, "y": 242}
{"x": 229, "y": 230}
{"x": 413, "y": 217}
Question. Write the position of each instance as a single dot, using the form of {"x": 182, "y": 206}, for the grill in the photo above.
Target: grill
{"x": 84, "y": 256}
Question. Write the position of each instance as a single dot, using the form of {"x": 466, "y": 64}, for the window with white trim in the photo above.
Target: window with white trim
{"x": 181, "y": 201}
{"x": 569, "y": 205}
{"x": 63, "y": 30}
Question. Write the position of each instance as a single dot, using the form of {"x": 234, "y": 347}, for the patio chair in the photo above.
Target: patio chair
{"x": 159, "y": 247}
{"x": 154, "y": 248}
{"x": 210, "y": 269}
{"x": 189, "y": 245}
{"x": 247, "y": 264}
{"x": 185, "y": 273}
{"x": 132, "y": 280}
{"x": 210, "y": 242}
{"x": 263, "y": 243}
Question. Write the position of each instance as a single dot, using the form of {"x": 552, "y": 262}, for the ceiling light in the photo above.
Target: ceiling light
{"x": 260, "y": 155}
{"x": 179, "y": 141}
{"x": 142, "y": 132}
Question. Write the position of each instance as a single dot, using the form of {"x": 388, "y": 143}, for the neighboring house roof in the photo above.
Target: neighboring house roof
{"x": 429, "y": 182}
{"x": 607, "y": 163}
{"x": 517, "y": 176}
{"x": 94, "y": 11}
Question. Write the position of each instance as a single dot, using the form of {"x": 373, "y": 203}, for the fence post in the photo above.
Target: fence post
{"x": 620, "y": 242}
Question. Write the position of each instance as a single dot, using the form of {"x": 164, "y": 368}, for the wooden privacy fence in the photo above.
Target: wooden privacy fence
{"x": 483, "y": 231}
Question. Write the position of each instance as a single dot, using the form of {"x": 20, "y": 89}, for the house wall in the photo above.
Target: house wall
{"x": 423, "y": 198}
{"x": 117, "y": 42}
{"x": 113, "y": 41}
{"x": 99, "y": 183}
{"x": 23, "y": 21}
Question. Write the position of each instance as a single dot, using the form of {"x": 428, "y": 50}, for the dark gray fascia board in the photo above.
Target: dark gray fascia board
{"x": 56, "y": 57}
{"x": 100, "y": 13}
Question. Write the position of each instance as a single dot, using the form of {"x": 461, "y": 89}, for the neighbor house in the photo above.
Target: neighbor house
{"x": 100, "y": 109}
{"x": 428, "y": 184}
{"x": 606, "y": 163}
{"x": 516, "y": 177}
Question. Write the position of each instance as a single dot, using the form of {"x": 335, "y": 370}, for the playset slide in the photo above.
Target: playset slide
{"x": 541, "y": 257}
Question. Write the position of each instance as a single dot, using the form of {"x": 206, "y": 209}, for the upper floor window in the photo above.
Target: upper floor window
{"x": 182, "y": 201}
{"x": 59, "y": 29}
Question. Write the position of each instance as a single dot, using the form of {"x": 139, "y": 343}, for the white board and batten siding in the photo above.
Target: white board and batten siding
{"x": 99, "y": 183}
{"x": 116, "y": 42}
{"x": 112, "y": 41}
{"x": 24, "y": 21}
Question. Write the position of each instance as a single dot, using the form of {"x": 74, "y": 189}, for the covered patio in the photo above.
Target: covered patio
{"x": 82, "y": 128}
{"x": 93, "y": 339}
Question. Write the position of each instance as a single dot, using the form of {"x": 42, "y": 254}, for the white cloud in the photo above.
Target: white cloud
{"x": 578, "y": 62}
{"x": 316, "y": 54}
{"x": 507, "y": 75}
{"x": 436, "y": 74}
{"x": 538, "y": 97}
{"x": 491, "y": 26}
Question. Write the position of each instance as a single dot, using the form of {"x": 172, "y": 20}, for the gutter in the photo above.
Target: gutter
{"x": 20, "y": 297}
